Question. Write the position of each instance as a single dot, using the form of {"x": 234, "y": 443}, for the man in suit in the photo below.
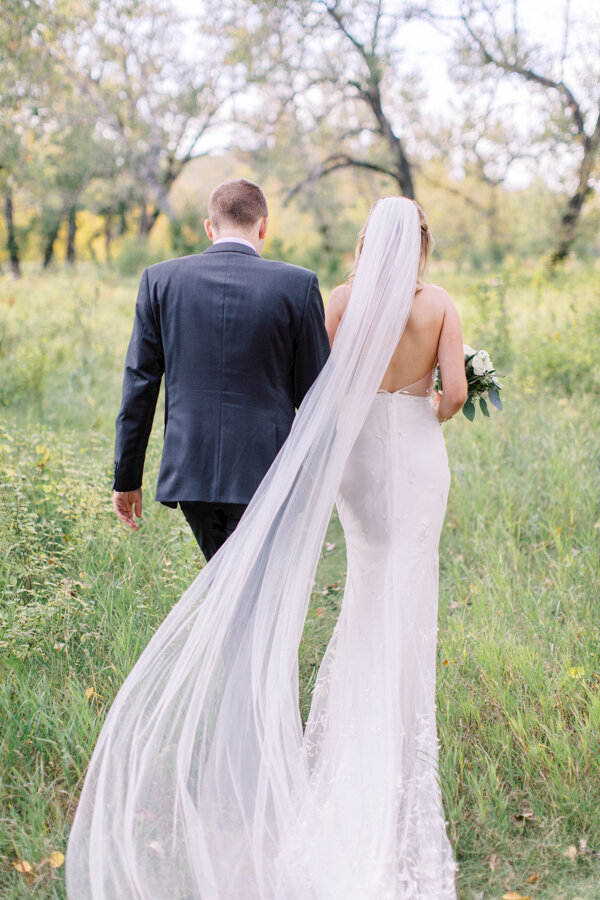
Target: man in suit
{"x": 240, "y": 340}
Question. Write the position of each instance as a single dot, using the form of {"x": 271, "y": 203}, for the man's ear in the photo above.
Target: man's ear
{"x": 208, "y": 229}
{"x": 263, "y": 228}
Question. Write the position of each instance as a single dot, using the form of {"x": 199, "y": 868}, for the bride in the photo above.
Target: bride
{"x": 203, "y": 784}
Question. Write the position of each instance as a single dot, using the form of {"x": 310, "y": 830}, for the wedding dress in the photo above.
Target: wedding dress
{"x": 371, "y": 738}
{"x": 203, "y": 784}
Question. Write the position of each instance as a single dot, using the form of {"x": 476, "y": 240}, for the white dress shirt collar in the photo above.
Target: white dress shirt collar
{"x": 234, "y": 240}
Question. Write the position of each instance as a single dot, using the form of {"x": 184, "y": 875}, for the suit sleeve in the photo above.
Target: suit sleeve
{"x": 312, "y": 345}
{"x": 144, "y": 367}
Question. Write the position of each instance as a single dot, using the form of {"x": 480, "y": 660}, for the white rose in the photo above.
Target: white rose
{"x": 468, "y": 351}
{"x": 478, "y": 365}
{"x": 485, "y": 359}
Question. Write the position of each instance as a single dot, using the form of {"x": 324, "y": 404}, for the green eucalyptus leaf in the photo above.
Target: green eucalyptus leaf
{"x": 469, "y": 410}
{"x": 494, "y": 398}
{"x": 484, "y": 407}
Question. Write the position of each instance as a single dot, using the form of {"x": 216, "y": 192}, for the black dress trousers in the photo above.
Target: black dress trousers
{"x": 212, "y": 523}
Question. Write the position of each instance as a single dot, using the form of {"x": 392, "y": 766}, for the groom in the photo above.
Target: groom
{"x": 240, "y": 340}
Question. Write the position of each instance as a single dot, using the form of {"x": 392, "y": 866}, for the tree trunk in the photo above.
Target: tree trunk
{"x": 148, "y": 219}
{"x": 49, "y": 245}
{"x": 402, "y": 166}
{"x": 11, "y": 237}
{"x": 122, "y": 214}
{"x": 90, "y": 245}
{"x": 569, "y": 222}
{"x": 404, "y": 179}
{"x": 495, "y": 244}
{"x": 71, "y": 232}
{"x": 108, "y": 234}
{"x": 142, "y": 224}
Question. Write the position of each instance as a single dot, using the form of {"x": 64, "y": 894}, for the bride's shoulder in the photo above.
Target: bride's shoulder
{"x": 434, "y": 296}
{"x": 339, "y": 296}
{"x": 435, "y": 291}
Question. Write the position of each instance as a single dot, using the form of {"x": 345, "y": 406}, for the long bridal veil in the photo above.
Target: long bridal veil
{"x": 199, "y": 777}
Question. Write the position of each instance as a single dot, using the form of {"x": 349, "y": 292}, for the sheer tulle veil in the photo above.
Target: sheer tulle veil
{"x": 200, "y": 774}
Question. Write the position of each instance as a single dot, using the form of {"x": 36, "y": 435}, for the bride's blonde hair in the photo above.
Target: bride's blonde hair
{"x": 426, "y": 245}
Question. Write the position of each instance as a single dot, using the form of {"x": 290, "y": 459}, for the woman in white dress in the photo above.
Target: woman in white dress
{"x": 372, "y": 718}
{"x": 203, "y": 784}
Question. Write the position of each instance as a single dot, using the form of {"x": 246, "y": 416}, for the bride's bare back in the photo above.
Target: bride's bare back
{"x": 416, "y": 354}
{"x": 432, "y": 334}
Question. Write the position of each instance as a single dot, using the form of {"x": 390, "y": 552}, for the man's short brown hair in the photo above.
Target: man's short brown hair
{"x": 237, "y": 202}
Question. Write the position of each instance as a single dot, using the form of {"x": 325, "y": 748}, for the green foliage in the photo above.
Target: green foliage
{"x": 113, "y": 132}
{"x": 61, "y": 343}
{"x": 186, "y": 232}
{"x": 541, "y": 332}
{"x": 518, "y": 678}
{"x": 519, "y": 690}
{"x": 565, "y": 337}
{"x": 135, "y": 255}
{"x": 490, "y": 295}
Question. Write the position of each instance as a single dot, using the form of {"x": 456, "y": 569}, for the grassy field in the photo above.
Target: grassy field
{"x": 519, "y": 632}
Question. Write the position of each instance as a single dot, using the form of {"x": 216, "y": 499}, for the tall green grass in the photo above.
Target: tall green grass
{"x": 519, "y": 637}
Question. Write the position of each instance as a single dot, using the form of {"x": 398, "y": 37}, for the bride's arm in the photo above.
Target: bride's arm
{"x": 451, "y": 361}
{"x": 336, "y": 306}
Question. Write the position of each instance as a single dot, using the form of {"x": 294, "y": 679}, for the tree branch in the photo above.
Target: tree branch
{"x": 332, "y": 10}
{"x": 456, "y": 192}
{"x": 530, "y": 75}
{"x": 333, "y": 164}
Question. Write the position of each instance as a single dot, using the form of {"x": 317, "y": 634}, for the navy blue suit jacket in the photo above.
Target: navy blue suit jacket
{"x": 240, "y": 340}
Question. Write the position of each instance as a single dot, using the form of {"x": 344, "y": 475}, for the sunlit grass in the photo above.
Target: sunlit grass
{"x": 519, "y": 634}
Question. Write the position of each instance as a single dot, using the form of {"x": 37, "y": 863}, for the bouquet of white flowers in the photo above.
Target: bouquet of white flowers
{"x": 481, "y": 379}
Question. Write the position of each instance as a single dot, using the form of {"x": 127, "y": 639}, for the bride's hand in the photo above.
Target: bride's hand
{"x": 436, "y": 397}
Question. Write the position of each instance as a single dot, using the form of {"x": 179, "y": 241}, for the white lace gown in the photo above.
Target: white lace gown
{"x": 371, "y": 739}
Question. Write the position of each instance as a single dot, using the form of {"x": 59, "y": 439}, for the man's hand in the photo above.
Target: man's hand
{"x": 124, "y": 503}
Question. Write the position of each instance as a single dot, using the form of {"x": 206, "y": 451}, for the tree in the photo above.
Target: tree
{"x": 110, "y": 196}
{"x": 472, "y": 153}
{"x": 331, "y": 69}
{"x": 72, "y": 156}
{"x": 569, "y": 91}
{"x": 155, "y": 105}
{"x": 21, "y": 90}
